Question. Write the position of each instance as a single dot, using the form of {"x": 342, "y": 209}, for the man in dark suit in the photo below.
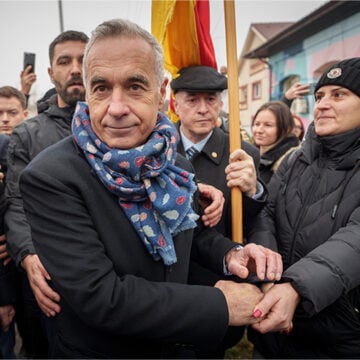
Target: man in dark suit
{"x": 111, "y": 215}
{"x": 198, "y": 104}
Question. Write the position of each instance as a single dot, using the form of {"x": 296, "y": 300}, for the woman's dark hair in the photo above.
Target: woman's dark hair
{"x": 284, "y": 120}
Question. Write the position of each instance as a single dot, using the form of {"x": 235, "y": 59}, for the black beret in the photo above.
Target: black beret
{"x": 345, "y": 73}
{"x": 199, "y": 79}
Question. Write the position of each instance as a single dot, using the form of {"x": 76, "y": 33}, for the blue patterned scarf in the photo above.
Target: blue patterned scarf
{"x": 155, "y": 194}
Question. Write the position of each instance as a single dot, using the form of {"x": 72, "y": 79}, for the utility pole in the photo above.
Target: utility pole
{"x": 61, "y": 16}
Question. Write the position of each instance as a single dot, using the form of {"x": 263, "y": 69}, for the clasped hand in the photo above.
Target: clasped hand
{"x": 253, "y": 258}
{"x": 276, "y": 309}
{"x": 270, "y": 309}
{"x": 241, "y": 298}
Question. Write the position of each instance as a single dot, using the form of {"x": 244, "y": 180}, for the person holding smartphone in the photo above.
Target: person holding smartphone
{"x": 27, "y": 77}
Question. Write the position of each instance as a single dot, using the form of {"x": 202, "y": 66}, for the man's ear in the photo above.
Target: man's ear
{"x": 176, "y": 104}
{"x": 163, "y": 92}
{"x": 51, "y": 74}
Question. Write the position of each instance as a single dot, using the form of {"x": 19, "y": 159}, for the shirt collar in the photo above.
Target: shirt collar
{"x": 188, "y": 143}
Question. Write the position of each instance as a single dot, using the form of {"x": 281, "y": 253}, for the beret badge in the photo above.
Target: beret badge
{"x": 334, "y": 73}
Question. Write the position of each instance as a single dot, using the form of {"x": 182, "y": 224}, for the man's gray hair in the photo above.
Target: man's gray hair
{"x": 116, "y": 27}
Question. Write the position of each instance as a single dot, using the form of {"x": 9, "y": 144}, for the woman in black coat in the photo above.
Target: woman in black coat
{"x": 313, "y": 219}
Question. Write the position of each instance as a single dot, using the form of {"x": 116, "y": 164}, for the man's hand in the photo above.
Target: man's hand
{"x": 27, "y": 79}
{"x": 46, "y": 298}
{"x": 297, "y": 90}
{"x": 7, "y": 313}
{"x": 276, "y": 309}
{"x": 241, "y": 172}
{"x": 212, "y": 200}
{"x": 253, "y": 258}
{"x": 240, "y": 299}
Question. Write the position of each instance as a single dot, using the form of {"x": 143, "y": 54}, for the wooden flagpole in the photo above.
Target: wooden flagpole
{"x": 234, "y": 112}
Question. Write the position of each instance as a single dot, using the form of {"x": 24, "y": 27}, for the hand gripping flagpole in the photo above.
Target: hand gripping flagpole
{"x": 234, "y": 113}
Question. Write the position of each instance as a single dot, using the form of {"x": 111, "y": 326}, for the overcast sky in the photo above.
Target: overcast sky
{"x": 29, "y": 25}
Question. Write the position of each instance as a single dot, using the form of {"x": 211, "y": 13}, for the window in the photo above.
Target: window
{"x": 256, "y": 90}
{"x": 243, "y": 96}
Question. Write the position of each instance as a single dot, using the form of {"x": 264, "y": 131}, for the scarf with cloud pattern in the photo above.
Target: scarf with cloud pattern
{"x": 154, "y": 193}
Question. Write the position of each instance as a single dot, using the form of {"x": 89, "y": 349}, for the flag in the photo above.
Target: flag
{"x": 183, "y": 30}
{"x": 182, "y": 27}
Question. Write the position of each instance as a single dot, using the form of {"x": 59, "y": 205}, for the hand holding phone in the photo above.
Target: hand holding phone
{"x": 29, "y": 59}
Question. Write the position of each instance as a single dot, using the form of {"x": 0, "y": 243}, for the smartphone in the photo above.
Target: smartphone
{"x": 312, "y": 88}
{"x": 29, "y": 59}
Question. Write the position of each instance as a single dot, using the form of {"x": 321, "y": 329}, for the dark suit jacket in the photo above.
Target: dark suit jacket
{"x": 210, "y": 166}
{"x": 116, "y": 300}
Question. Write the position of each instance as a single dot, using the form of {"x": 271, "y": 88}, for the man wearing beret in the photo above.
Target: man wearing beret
{"x": 198, "y": 103}
{"x": 197, "y": 100}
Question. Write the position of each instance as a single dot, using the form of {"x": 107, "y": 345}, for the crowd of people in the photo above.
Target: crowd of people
{"x": 115, "y": 223}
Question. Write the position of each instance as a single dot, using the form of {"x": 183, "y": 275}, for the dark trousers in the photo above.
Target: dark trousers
{"x": 7, "y": 343}
{"x": 30, "y": 321}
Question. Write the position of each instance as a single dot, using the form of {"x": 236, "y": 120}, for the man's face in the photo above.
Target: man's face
{"x": 198, "y": 113}
{"x": 336, "y": 110}
{"x": 122, "y": 91}
{"x": 66, "y": 72}
{"x": 11, "y": 114}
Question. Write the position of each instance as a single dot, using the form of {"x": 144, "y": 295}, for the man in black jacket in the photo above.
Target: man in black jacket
{"x": 198, "y": 103}
{"x": 111, "y": 215}
{"x": 27, "y": 140}
{"x": 50, "y": 126}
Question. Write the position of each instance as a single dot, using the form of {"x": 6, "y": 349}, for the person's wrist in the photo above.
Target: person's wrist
{"x": 228, "y": 256}
{"x": 26, "y": 259}
{"x": 292, "y": 292}
{"x": 252, "y": 192}
{"x": 24, "y": 91}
